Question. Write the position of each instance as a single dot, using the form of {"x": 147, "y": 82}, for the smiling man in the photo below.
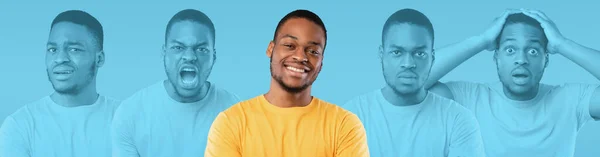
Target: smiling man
{"x": 402, "y": 118}
{"x": 172, "y": 117}
{"x": 288, "y": 121}
{"x": 519, "y": 116}
{"x": 74, "y": 120}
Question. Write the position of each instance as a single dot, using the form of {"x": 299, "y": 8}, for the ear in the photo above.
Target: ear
{"x": 432, "y": 57}
{"x": 100, "y": 58}
{"x": 495, "y": 55}
{"x": 214, "y": 57}
{"x": 380, "y": 53}
{"x": 164, "y": 50}
{"x": 547, "y": 59}
{"x": 270, "y": 49}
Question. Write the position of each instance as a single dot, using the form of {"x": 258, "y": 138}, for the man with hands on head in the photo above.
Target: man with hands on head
{"x": 519, "y": 116}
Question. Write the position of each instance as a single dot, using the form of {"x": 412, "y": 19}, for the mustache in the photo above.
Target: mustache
{"x": 69, "y": 65}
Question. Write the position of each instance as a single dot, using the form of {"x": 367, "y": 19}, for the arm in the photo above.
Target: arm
{"x": 583, "y": 56}
{"x": 465, "y": 140}
{"x": 222, "y": 139}
{"x": 449, "y": 57}
{"x": 122, "y": 129}
{"x": 13, "y": 142}
{"x": 588, "y": 59}
{"x": 352, "y": 140}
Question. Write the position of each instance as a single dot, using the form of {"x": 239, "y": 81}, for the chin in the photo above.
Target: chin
{"x": 406, "y": 90}
{"x": 186, "y": 93}
{"x": 521, "y": 89}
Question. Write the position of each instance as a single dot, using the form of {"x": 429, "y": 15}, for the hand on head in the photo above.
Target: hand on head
{"x": 550, "y": 30}
{"x": 555, "y": 38}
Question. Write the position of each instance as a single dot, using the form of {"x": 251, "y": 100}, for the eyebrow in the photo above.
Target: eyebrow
{"x": 420, "y": 47}
{"x": 69, "y": 43}
{"x": 296, "y": 38}
{"x": 530, "y": 40}
{"x": 203, "y": 43}
{"x": 290, "y": 36}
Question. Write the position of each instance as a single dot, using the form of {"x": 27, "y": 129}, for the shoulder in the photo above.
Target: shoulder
{"x": 225, "y": 96}
{"x": 355, "y": 104}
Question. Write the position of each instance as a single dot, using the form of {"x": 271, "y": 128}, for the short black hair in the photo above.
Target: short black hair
{"x": 411, "y": 16}
{"x": 523, "y": 19}
{"x": 301, "y": 13}
{"x": 194, "y": 16}
{"x": 85, "y": 19}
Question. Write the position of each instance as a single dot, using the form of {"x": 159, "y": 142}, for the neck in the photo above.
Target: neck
{"x": 282, "y": 98}
{"x": 524, "y": 96}
{"x": 400, "y": 99}
{"x": 86, "y": 96}
{"x": 173, "y": 94}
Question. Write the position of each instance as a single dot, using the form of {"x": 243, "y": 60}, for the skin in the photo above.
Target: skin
{"x": 521, "y": 51}
{"x": 457, "y": 53}
{"x": 188, "y": 44}
{"x": 406, "y": 58}
{"x": 299, "y": 43}
{"x": 72, "y": 47}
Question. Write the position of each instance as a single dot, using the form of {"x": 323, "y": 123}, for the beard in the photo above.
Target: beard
{"x": 75, "y": 88}
{"x": 288, "y": 88}
{"x": 395, "y": 88}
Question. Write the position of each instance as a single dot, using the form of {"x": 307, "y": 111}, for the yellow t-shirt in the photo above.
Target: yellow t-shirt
{"x": 256, "y": 128}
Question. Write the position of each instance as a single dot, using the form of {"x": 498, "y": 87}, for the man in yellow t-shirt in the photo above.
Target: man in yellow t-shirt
{"x": 287, "y": 121}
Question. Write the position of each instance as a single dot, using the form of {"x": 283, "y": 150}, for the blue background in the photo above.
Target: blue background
{"x": 134, "y": 34}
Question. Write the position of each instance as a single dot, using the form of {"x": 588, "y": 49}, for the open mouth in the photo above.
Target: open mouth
{"x": 297, "y": 69}
{"x": 189, "y": 77}
{"x": 63, "y": 72}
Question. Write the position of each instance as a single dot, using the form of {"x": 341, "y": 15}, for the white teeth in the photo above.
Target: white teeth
{"x": 188, "y": 69}
{"x": 64, "y": 72}
{"x": 295, "y": 69}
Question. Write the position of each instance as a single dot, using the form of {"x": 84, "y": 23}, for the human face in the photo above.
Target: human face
{"x": 406, "y": 57}
{"x": 521, "y": 58}
{"x": 188, "y": 57}
{"x": 72, "y": 57}
{"x": 297, "y": 54}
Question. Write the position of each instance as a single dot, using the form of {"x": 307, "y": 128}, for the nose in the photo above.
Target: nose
{"x": 407, "y": 62}
{"x": 300, "y": 55}
{"x": 62, "y": 57}
{"x": 521, "y": 59}
{"x": 189, "y": 55}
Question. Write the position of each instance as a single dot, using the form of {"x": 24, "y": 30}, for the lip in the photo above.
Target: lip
{"x": 297, "y": 66}
{"x": 520, "y": 71}
{"x": 188, "y": 66}
{"x": 407, "y": 75}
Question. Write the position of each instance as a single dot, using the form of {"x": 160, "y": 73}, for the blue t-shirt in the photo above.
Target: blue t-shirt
{"x": 546, "y": 125}
{"x": 436, "y": 127}
{"x": 151, "y": 124}
{"x": 46, "y": 129}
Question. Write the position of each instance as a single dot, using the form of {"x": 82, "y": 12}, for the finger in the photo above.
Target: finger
{"x": 541, "y": 14}
{"x": 535, "y": 16}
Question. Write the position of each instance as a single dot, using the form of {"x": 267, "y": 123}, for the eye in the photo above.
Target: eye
{"x": 420, "y": 53}
{"x": 314, "y": 52}
{"x": 177, "y": 48}
{"x": 74, "y": 50}
{"x": 396, "y": 52}
{"x": 509, "y": 50}
{"x": 202, "y": 49}
{"x": 289, "y": 46}
{"x": 51, "y": 50}
{"x": 533, "y": 51}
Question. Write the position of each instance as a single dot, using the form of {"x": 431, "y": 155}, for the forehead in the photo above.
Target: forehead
{"x": 68, "y": 31}
{"x": 189, "y": 31}
{"x": 303, "y": 29}
{"x": 407, "y": 35}
{"x": 520, "y": 32}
